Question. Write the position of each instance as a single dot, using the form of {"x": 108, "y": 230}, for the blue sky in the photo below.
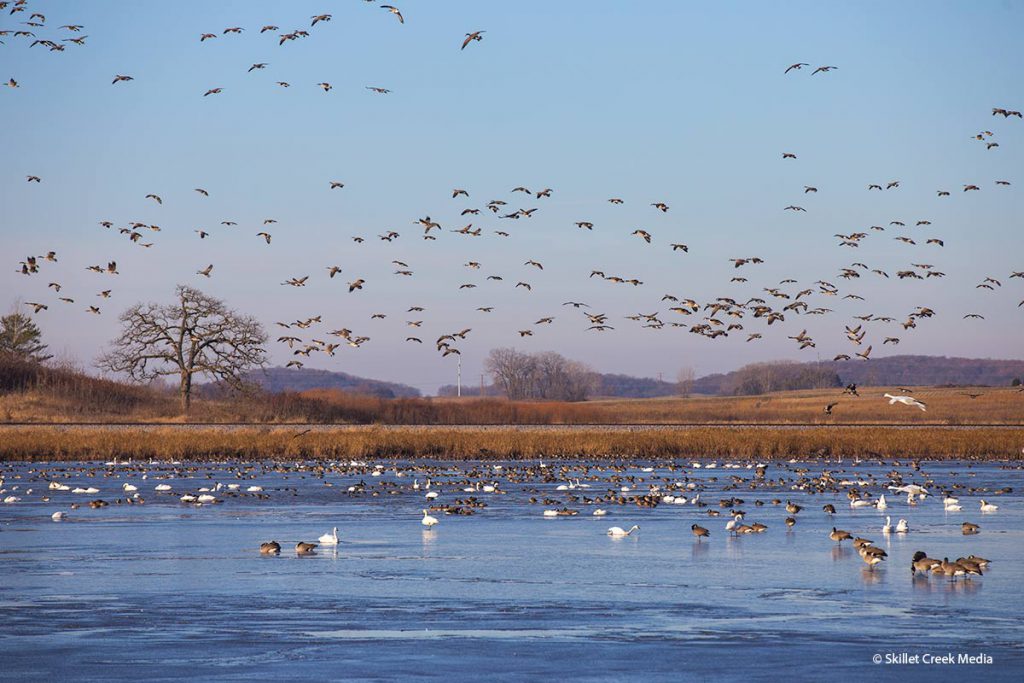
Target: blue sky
{"x": 684, "y": 103}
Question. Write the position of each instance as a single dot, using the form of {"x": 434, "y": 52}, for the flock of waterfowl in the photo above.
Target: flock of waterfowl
{"x": 744, "y": 307}
{"x": 691, "y": 490}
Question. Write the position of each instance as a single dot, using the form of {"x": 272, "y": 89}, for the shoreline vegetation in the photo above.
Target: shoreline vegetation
{"x": 511, "y": 443}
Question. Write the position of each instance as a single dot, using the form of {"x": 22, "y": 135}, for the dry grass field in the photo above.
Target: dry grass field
{"x": 110, "y": 402}
{"x": 255, "y": 443}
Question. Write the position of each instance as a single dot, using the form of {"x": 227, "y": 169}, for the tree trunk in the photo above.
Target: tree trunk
{"x": 186, "y": 392}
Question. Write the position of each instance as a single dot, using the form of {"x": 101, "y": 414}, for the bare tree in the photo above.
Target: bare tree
{"x": 196, "y": 335}
{"x": 545, "y": 375}
{"x": 684, "y": 380}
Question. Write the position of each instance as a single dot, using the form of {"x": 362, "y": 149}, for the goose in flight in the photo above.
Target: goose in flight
{"x": 260, "y": 65}
{"x": 660, "y": 206}
{"x": 797, "y": 66}
{"x": 824, "y": 69}
{"x": 317, "y": 19}
{"x": 643, "y": 234}
{"x": 379, "y": 91}
{"x": 205, "y": 272}
{"x": 119, "y": 78}
{"x": 357, "y": 284}
{"x": 905, "y": 400}
{"x": 401, "y": 20}
{"x": 213, "y": 91}
{"x": 470, "y": 37}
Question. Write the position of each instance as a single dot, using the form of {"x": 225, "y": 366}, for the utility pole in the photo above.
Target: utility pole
{"x": 481, "y": 385}
{"x": 460, "y": 378}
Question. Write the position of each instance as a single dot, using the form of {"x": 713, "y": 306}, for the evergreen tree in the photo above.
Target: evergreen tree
{"x": 20, "y": 337}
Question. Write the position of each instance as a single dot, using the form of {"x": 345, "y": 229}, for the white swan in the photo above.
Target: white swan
{"x": 950, "y": 500}
{"x": 330, "y": 539}
{"x": 551, "y": 513}
{"x": 206, "y": 498}
{"x": 431, "y": 495}
{"x": 881, "y": 504}
{"x": 902, "y": 527}
{"x": 58, "y": 516}
{"x": 887, "y": 528}
{"x": 254, "y": 489}
{"x": 732, "y": 523}
{"x": 618, "y": 531}
{"x": 427, "y": 520}
{"x": 988, "y": 507}
{"x": 600, "y": 513}
{"x": 162, "y": 487}
{"x": 905, "y": 400}
{"x": 859, "y": 503}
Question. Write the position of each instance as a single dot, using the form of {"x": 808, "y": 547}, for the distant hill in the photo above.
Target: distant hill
{"x": 881, "y": 371}
{"x": 291, "y": 379}
{"x": 930, "y": 370}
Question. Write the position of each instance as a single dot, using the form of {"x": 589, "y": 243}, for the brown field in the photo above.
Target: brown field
{"x": 255, "y": 443}
{"x": 101, "y": 401}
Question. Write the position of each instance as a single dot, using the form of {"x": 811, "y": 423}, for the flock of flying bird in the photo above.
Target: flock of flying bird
{"x": 715, "y": 318}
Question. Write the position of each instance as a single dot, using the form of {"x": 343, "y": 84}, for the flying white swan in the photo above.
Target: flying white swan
{"x": 330, "y": 539}
{"x": 905, "y": 400}
{"x": 619, "y": 531}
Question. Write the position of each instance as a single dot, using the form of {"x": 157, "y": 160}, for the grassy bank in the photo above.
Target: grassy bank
{"x": 369, "y": 442}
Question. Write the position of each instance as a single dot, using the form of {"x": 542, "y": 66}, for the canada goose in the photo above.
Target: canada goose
{"x": 379, "y": 91}
{"x": 303, "y": 548}
{"x": 470, "y": 37}
{"x": 969, "y": 529}
{"x": 270, "y": 548}
{"x": 871, "y": 555}
{"x": 859, "y": 542}
{"x": 121, "y": 78}
{"x": 838, "y": 535}
{"x": 796, "y": 66}
{"x": 792, "y": 508}
{"x": 829, "y": 508}
{"x": 320, "y": 17}
{"x": 699, "y": 532}
{"x": 618, "y": 531}
{"x": 331, "y": 538}
{"x": 952, "y": 569}
{"x": 759, "y": 528}
{"x": 922, "y": 563}
{"x": 824, "y": 69}
{"x": 213, "y": 91}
